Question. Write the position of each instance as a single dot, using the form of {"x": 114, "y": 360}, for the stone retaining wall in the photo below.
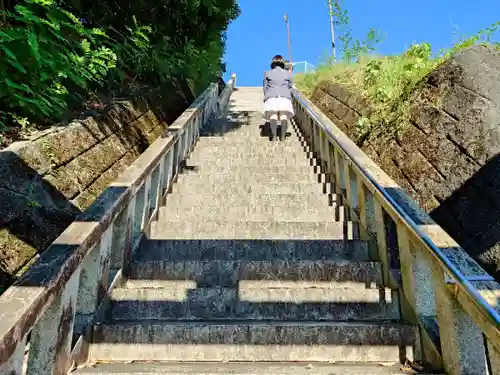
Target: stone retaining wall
{"x": 50, "y": 178}
{"x": 448, "y": 157}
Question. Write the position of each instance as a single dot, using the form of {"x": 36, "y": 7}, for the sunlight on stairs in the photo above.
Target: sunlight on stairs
{"x": 252, "y": 268}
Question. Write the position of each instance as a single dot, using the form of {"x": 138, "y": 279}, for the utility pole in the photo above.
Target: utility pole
{"x": 289, "y": 44}
{"x": 330, "y": 8}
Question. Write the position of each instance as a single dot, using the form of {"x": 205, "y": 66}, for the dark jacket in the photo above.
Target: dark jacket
{"x": 277, "y": 83}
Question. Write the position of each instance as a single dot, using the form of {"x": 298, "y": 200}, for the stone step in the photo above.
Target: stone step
{"x": 264, "y": 174}
{"x": 183, "y": 186}
{"x": 242, "y": 368}
{"x": 303, "y": 201}
{"x": 271, "y": 150}
{"x": 293, "y": 141}
{"x": 187, "y": 301}
{"x": 260, "y": 156}
{"x": 229, "y": 273}
{"x": 268, "y": 148}
{"x": 251, "y": 213}
{"x": 215, "y": 161}
{"x": 238, "y": 130}
{"x": 240, "y": 230}
{"x": 260, "y": 137}
{"x": 255, "y": 136}
{"x": 251, "y": 250}
{"x": 252, "y": 341}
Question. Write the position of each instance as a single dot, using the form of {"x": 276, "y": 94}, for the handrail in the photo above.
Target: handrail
{"x": 53, "y": 280}
{"x": 487, "y": 310}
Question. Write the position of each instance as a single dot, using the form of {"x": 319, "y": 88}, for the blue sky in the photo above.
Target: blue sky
{"x": 260, "y": 32}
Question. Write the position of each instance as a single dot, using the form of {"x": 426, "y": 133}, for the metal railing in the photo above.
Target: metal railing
{"x": 56, "y": 302}
{"x": 303, "y": 67}
{"x": 439, "y": 280}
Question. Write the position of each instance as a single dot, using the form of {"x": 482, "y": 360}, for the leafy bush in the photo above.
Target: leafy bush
{"x": 45, "y": 52}
{"x": 57, "y": 54}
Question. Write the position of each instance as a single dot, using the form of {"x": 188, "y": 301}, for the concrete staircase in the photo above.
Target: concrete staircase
{"x": 252, "y": 268}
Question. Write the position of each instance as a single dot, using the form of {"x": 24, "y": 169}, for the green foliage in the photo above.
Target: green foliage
{"x": 388, "y": 82}
{"x": 352, "y": 48}
{"x": 45, "y": 51}
{"x": 57, "y": 54}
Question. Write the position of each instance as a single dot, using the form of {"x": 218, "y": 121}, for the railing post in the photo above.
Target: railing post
{"x": 494, "y": 358}
{"x": 169, "y": 169}
{"x": 366, "y": 212}
{"x": 51, "y": 337}
{"x": 330, "y": 167}
{"x": 15, "y": 364}
{"x": 417, "y": 275}
{"x": 340, "y": 185}
{"x": 321, "y": 154}
{"x": 462, "y": 342}
{"x": 350, "y": 190}
{"x": 146, "y": 208}
{"x": 128, "y": 247}
{"x": 161, "y": 183}
{"x": 93, "y": 281}
{"x": 383, "y": 249}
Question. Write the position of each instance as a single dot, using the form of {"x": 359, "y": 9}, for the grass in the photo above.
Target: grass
{"x": 387, "y": 82}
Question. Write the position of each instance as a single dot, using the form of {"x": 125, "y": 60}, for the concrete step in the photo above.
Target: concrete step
{"x": 183, "y": 186}
{"x": 251, "y": 250}
{"x": 302, "y": 201}
{"x": 240, "y": 130}
{"x": 217, "y": 160}
{"x": 252, "y": 341}
{"x": 261, "y": 137}
{"x": 229, "y": 273}
{"x": 253, "y": 175}
{"x": 266, "y": 172}
{"x": 221, "y": 229}
{"x": 251, "y": 213}
{"x": 187, "y": 301}
{"x": 257, "y": 149}
{"x": 259, "y": 152}
{"x": 293, "y": 141}
{"x": 249, "y": 159}
{"x": 243, "y": 368}
{"x": 274, "y": 148}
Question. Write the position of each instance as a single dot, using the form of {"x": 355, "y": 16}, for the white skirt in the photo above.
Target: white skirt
{"x": 282, "y": 105}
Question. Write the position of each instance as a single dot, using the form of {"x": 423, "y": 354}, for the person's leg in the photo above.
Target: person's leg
{"x": 284, "y": 125}
{"x": 273, "y": 124}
